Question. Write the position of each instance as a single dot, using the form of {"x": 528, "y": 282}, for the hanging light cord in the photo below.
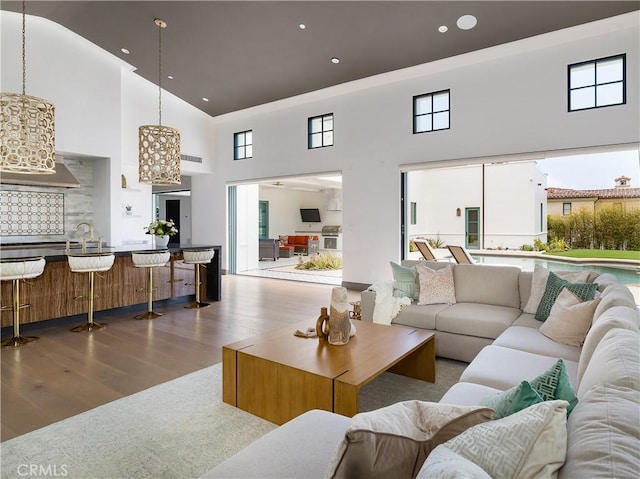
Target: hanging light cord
{"x": 159, "y": 74}
{"x": 24, "y": 55}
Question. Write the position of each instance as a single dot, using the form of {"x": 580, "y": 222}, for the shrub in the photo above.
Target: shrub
{"x": 321, "y": 261}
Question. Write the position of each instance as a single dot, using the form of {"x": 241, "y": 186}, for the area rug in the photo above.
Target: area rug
{"x": 179, "y": 429}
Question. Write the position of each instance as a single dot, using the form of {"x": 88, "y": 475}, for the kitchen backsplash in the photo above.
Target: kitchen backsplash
{"x": 31, "y": 214}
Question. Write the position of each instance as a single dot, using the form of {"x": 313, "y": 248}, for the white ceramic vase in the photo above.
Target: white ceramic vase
{"x": 162, "y": 241}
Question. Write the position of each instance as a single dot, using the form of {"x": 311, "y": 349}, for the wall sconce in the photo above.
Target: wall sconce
{"x": 458, "y": 212}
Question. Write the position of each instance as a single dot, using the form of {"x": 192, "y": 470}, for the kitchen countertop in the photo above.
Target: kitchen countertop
{"x": 59, "y": 252}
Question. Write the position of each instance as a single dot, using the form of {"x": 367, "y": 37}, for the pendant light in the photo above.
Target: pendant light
{"x": 159, "y": 146}
{"x": 27, "y": 137}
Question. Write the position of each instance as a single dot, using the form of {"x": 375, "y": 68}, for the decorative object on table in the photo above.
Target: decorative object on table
{"x": 162, "y": 230}
{"x": 339, "y": 322}
{"x": 159, "y": 146}
{"x": 28, "y": 125}
{"x": 322, "y": 324}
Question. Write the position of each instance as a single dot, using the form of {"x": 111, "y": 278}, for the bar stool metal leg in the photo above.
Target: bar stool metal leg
{"x": 197, "y": 304}
{"x": 149, "y": 314}
{"x": 17, "y": 340}
{"x": 90, "y": 325}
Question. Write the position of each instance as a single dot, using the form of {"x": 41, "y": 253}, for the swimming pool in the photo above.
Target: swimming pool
{"x": 625, "y": 275}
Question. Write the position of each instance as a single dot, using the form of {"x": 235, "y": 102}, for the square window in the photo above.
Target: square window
{"x": 243, "y": 145}
{"x": 597, "y": 83}
{"x": 431, "y": 112}
{"x": 320, "y": 131}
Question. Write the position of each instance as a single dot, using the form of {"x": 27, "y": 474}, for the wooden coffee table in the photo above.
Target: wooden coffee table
{"x": 279, "y": 376}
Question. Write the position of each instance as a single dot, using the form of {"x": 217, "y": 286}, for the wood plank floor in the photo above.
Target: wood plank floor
{"x": 67, "y": 373}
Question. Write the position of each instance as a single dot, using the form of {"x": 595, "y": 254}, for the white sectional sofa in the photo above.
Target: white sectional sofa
{"x": 603, "y": 430}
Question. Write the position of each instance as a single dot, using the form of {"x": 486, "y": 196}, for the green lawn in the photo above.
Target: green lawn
{"x": 598, "y": 253}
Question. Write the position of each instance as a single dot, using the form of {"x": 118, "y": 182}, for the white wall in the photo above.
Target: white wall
{"x": 100, "y": 103}
{"x": 505, "y": 100}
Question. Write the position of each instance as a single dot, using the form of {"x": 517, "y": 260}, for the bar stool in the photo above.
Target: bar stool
{"x": 197, "y": 257}
{"x": 90, "y": 263}
{"x": 15, "y": 270}
{"x": 149, "y": 260}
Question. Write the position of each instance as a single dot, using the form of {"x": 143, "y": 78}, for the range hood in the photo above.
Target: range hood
{"x": 62, "y": 178}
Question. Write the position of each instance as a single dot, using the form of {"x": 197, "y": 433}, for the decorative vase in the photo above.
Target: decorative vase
{"x": 162, "y": 241}
{"x": 339, "y": 322}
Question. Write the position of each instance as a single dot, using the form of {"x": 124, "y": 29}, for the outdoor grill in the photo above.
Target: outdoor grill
{"x": 331, "y": 237}
{"x": 331, "y": 230}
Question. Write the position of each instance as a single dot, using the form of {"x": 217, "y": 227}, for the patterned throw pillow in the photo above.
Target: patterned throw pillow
{"x": 554, "y": 384}
{"x": 506, "y": 403}
{"x": 394, "y": 441}
{"x": 584, "y": 291}
{"x": 529, "y": 443}
{"x": 405, "y": 281}
{"x": 436, "y": 286}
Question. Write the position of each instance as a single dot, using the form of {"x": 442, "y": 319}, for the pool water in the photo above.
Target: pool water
{"x": 625, "y": 275}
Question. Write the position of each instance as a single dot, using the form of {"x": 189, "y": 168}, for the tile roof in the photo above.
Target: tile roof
{"x": 562, "y": 193}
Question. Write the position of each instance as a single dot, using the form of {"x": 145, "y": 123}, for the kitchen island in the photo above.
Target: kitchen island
{"x": 59, "y": 293}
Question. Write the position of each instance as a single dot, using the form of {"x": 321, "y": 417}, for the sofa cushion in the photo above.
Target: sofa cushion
{"x": 503, "y": 368}
{"x": 555, "y": 284}
{"x": 309, "y": 439}
{"x": 539, "y": 284}
{"x": 603, "y": 434}
{"x": 467, "y": 394}
{"x": 423, "y": 317}
{"x": 614, "y": 295}
{"x": 395, "y": 440}
{"x": 616, "y": 361}
{"x": 531, "y": 340}
{"x": 527, "y": 320}
{"x": 616, "y": 317}
{"x": 436, "y": 286}
{"x": 570, "y": 319}
{"x": 530, "y": 443}
{"x": 473, "y": 319}
{"x": 517, "y": 398}
{"x": 487, "y": 284}
{"x": 405, "y": 280}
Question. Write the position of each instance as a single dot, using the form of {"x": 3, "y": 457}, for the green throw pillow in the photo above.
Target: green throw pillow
{"x": 555, "y": 283}
{"x": 554, "y": 384}
{"x": 512, "y": 400}
{"x": 405, "y": 281}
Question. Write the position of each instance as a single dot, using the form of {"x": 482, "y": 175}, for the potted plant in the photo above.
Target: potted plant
{"x": 162, "y": 230}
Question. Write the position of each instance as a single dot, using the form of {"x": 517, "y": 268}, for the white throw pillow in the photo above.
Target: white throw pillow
{"x": 531, "y": 443}
{"x": 570, "y": 319}
{"x": 436, "y": 286}
{"x": 539, "y": 284}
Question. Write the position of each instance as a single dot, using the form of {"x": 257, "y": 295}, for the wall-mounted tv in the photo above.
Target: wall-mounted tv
{"x": 310, "y": 215}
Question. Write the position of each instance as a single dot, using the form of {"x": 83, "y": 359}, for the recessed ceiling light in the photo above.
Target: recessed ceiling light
{"x": 335, "y": 60}
{"x": 467, "y": 22}
{"x": 169, "y": 77}
{"x": 443, "y": 29}
{"x": 302, "y": 26}
{"x": 205, "y": 99}
{"x": 125, "y": 51}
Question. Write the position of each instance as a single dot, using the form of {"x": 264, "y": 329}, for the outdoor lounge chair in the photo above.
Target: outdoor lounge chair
{"x": 425, "y": 249}
{"x": 461, "y": 255}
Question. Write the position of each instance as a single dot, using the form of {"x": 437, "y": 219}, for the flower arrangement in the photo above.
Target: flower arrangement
{"x": 161, "y": 228}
